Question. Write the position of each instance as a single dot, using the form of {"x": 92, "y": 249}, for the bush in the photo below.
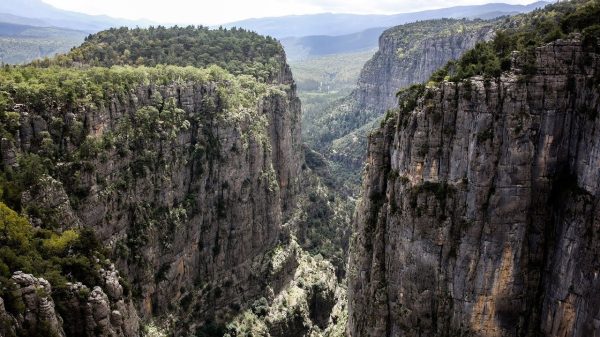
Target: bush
{"x": 260, "y": 307}
{"x": 57, "y": 244}
{"x": 407, "y": 98}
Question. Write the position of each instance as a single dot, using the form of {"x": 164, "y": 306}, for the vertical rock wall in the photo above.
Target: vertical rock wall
{"x": 479, "y": 214}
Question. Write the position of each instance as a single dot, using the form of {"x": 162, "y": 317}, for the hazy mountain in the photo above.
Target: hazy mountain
{"x": 16, "y": 30}
{"x": 38, "y": 13}
{"x": 19, "y": 20}
{"x": 24, "y": 43}
{"x": 341, "y": 24}
{"x": 310, "y": 46}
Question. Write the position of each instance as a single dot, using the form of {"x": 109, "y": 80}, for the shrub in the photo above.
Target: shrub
{"x": 260, "y": 307}
{"x": 58, "y": 243}
{"x": 407, "y": 98}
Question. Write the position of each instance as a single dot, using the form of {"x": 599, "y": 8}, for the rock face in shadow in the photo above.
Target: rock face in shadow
{"x": 480, "y": 209}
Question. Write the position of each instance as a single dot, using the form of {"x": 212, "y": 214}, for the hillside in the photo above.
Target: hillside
{"x": 22, "y": 43}
{"x": 479, "y": 212}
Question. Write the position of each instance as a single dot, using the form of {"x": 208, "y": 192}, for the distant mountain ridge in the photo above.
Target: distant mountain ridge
{"x": 41, "y": 14}
{"x": 303, "y": 36}
{"x": 14, "y": 30}
{"x": 23, "y": 43}
{"x": 319, "y": 45}
{"x": 342, "y": 24}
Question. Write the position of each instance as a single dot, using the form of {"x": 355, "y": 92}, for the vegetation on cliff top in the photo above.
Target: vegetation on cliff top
{"x": 524, "y": 33}
{"x": 236, "y": 50}
{"x": 405, "y": 36}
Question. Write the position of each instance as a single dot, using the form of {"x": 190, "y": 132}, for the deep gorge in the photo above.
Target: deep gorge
{"x": 168, "y": 191}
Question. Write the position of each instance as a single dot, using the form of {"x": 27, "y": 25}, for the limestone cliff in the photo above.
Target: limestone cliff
{"x": 479, "y": 212}
{"x": 407, "y": 54}
{"x": 187, "y": 179}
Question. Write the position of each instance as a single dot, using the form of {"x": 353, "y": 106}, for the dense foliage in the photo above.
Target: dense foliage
{"x": 236, "y": 50}
{"x": 69, "y": 256}
{"x": 523, "y": 34}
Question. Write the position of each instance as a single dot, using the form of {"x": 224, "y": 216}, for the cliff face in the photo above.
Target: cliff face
{"x": 480, "y": 208}
{"x": 188, "y": 184}
{"x": 222, "y": 209}
{"x": 408, "y": 54}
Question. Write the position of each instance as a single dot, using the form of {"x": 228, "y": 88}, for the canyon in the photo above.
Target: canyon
{"x": 407, "y": 55}
{"x": 172, "y": 190}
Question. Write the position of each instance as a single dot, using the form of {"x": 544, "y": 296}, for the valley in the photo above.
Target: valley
{"x": 272, "y": 181}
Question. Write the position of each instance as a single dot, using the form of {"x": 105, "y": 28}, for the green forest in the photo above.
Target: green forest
{"x": 236, "y": 50}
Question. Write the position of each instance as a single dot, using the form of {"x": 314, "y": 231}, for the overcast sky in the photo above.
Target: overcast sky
{"x": 210, "y": 12}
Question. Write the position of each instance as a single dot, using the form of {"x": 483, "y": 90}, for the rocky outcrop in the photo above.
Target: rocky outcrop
{"x": 33, "y": 310}
{"x": 104, "y": 311}
{"x": 480, "y": 213}
{"x": 408, "y": 54}
{"x": 48, "y": 200}
{"x": 37, "y": 314}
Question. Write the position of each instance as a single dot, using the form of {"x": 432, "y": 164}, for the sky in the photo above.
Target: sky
{"x": 212, "y": 12}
